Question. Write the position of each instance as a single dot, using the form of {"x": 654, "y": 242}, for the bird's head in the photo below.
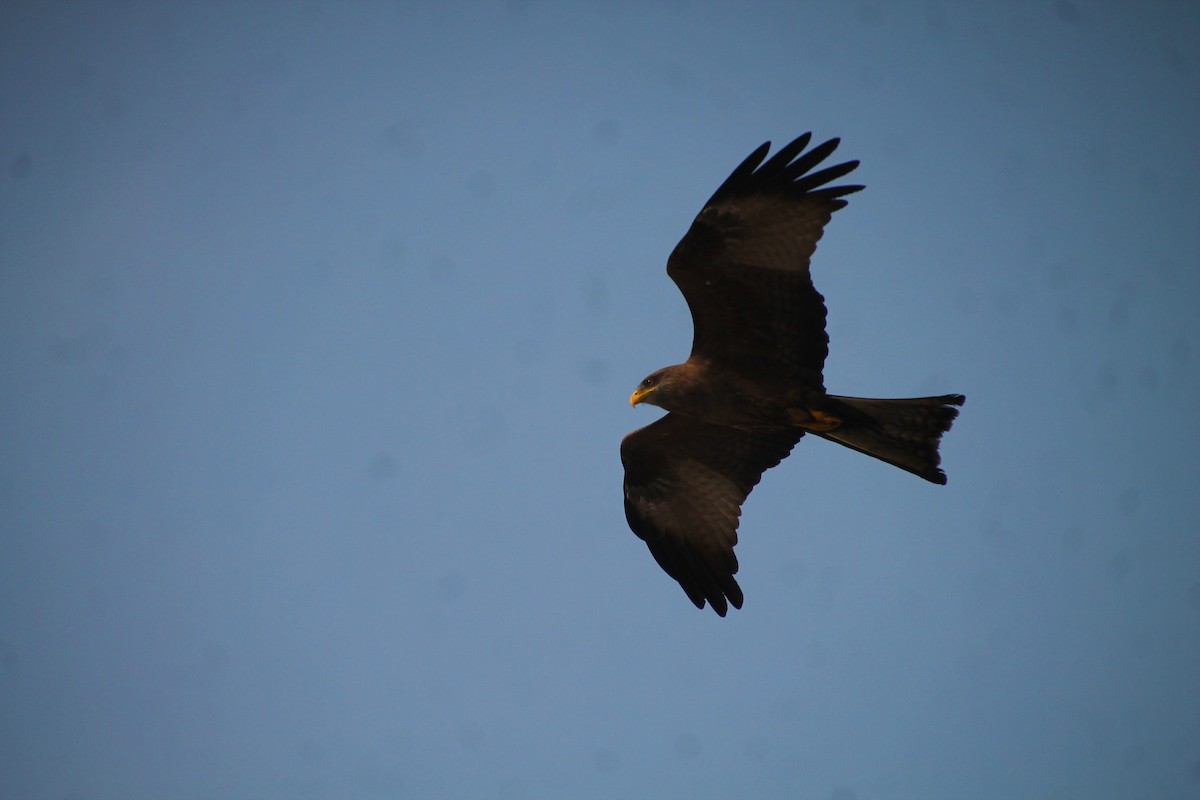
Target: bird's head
{"x": 653, "y": 389}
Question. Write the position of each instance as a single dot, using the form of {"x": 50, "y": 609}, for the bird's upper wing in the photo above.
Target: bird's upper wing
{"x": 743, "y": 265}
{"x": 685, "y": 481}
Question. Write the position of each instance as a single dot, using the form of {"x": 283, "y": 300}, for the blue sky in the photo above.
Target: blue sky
{"x": 317, "y": 327}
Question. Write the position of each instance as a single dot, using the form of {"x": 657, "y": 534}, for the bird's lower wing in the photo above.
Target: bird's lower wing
{"x": 685, "y": 482}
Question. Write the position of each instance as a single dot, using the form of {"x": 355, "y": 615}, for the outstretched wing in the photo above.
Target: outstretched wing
{"x": 685, "y": 482}
{"x": 743, "y": 265}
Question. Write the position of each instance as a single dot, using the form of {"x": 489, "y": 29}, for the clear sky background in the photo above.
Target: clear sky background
{"x": 317, "y": 327}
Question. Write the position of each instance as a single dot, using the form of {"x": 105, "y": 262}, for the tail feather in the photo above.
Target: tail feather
{"x": 905, "y": 433}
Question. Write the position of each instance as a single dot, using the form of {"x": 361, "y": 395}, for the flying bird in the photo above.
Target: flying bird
{"x": 753, "y": 384}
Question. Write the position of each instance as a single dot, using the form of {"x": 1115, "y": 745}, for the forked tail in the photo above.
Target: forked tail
{"x": 905, "y": 433}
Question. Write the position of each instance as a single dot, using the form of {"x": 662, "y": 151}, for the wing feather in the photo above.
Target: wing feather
{"x": 743, "y": 266}
{"x": 685, "y": 482}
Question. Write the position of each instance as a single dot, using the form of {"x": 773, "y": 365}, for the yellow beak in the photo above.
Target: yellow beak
{"x": 638, "y": 396}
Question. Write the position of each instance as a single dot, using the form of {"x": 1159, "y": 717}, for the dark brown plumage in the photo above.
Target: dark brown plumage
{"x": 753, "y": 384}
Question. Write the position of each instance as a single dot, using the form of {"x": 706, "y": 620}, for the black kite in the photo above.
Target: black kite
{"x": 753, "y": 385}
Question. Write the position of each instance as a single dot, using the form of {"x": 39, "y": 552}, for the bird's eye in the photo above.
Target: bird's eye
{"x": 648, "y": 382}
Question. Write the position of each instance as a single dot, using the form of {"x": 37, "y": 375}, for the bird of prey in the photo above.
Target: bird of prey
{"x": 753, "y": 384}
